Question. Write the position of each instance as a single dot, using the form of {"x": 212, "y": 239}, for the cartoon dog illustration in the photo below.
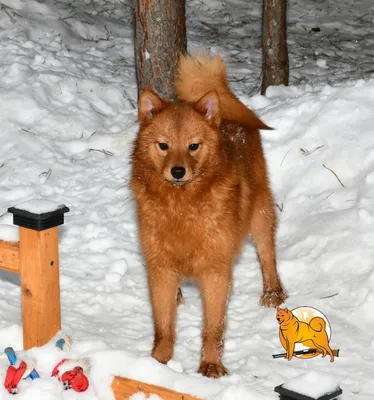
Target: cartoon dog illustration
{"x": 292, "y": 331}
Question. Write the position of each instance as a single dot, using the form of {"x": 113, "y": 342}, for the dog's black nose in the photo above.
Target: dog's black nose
{"x": 178, "y": 172}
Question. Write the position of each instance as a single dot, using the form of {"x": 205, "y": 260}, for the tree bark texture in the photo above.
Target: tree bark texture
{"x": 275, "y": 67}
{"x": 160, "y": 35}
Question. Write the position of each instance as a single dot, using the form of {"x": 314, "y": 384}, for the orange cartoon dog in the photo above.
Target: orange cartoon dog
{"x": 292, "y": 331}
{"x": 200, "y": 183}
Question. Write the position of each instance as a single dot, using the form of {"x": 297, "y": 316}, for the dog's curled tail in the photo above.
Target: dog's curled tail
{"x": 318, "y": 324}
{"x": 201, "y": 74}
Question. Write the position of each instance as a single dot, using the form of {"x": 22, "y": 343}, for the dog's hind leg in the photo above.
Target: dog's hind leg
{"x": 163, "y": 286}
{"x": 320, "y": 348}
{"x": 324, "y": 348}
{"x": 328, "y": 348}
{"x": 262, "y": 231}
{"x": 215, "y": 289}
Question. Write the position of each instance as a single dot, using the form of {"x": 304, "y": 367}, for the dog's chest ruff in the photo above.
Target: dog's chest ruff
{"x": 187, "y": 225}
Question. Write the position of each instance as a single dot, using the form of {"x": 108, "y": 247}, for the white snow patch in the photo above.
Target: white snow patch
{"x": 322, "y": 63}
{"x": 9, "y": 233}
{"x": 39, "y": 206}
{"x": 313, "y": 384}
{"x": 175, "y": 366}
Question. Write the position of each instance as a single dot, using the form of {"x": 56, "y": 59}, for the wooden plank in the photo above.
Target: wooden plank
{"x": 10, "y": 256}
{"x": 40, "y": 285}
{"x": 124, "y": 388}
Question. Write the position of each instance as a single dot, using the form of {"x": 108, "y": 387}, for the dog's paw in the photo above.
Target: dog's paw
{"x": 162, "y": 352}
{"x": 289, "y": 357}
{"x": 273, "y": 299}
{"x": 213, "y": 370}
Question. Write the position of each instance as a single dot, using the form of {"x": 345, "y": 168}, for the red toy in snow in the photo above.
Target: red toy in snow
{"x": 13, "y": 376}
{"x": 73, "y": 378}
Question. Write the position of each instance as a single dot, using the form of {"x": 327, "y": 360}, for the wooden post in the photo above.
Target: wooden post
{"x": 124, "y": 388}
{"x": 40, "y": 277}
{"x": 40, "y": 286}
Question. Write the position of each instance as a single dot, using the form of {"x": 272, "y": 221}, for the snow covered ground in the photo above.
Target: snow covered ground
{"x": 68, "y": 117}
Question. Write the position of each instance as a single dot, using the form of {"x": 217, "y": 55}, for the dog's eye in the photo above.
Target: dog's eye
{"x": 163, "y": 146}
{"x": 193, "y": 146}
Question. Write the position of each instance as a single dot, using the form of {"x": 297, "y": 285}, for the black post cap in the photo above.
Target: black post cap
{"x": 38, "y": 221}
{"x": 286, "y": 394}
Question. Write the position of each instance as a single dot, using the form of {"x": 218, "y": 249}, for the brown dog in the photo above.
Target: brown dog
{"x": 292, "y": 331}
{"x": 201, "y": 187}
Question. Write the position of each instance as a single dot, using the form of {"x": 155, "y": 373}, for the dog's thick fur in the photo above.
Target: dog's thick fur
{"x": 194, "y": 225}
{"x": 292, "y": 331}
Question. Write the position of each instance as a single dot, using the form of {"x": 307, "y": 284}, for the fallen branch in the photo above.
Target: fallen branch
{"x": 106, "y": 152}
{"x": 330, "y": 295}
{"x": 280, "y": 206}
{"x": 307, "y": 152}
{"x": 4, "y": 7}
{"x": 329, "y": 195}
{"x": 284, "y": 158}
{"x": 336, "y": 176}
{"x": 46, "y": 174}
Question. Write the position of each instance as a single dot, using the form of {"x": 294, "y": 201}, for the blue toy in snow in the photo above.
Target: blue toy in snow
{"x": 17, "y": 371}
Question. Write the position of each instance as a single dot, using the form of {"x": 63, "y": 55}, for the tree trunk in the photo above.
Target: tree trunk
{"x": 274, "y": 44}
{"x": 160, "y": 35}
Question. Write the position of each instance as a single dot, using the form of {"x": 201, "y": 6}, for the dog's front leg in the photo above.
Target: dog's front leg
{"x": 163, "y": 286}
{"x": 215, "y": 287}
{"x": 290, "y": 349}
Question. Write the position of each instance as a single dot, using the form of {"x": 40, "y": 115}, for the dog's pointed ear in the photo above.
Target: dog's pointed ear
{"x": 209, "y": 107}
{"x": 149, "y": 105}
